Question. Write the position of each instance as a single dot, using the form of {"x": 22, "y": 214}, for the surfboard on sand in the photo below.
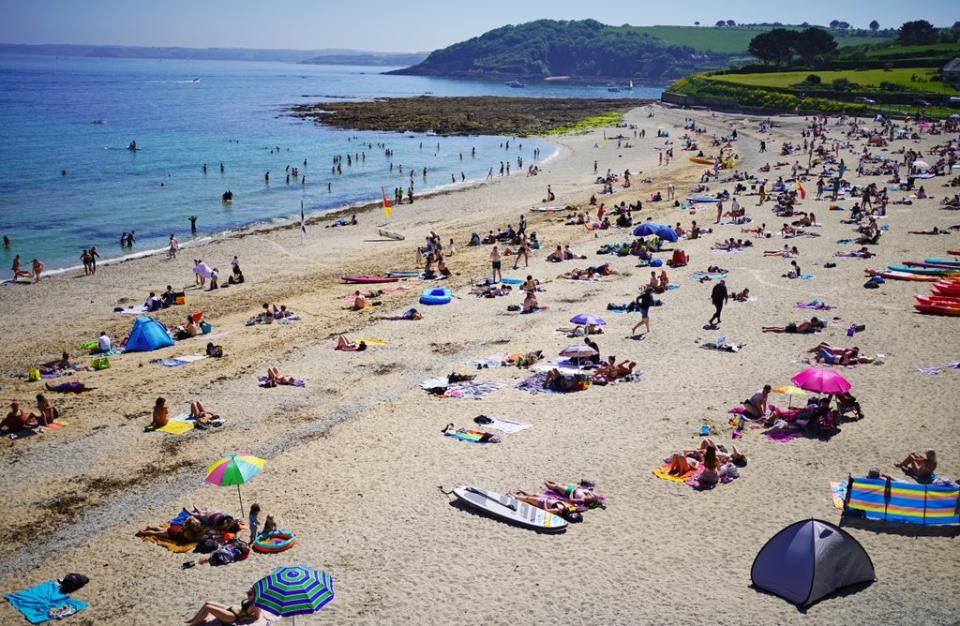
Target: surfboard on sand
{"x": 389, "y": 234}
{"x": 509, "y": 509}
{"x": 368, "y": 280}
{"x": 550, "y": 209}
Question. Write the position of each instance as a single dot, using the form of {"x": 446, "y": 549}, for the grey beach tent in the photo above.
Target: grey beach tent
{"x": 808, "y": 560}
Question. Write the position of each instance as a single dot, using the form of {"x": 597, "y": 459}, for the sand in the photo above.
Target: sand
{"x": 356, "y": 465}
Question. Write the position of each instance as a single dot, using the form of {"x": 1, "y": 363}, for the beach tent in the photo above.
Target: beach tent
{"x": 808, "y": 560}
{"x": 147, "y": 335}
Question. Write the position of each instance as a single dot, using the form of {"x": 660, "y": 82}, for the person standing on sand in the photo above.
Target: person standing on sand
{"x": 522, "y": 251}
{"x": 644, "y": 302}
{"x": 93, "y": 259}
{"x": 37, "y": 270}
{"x": 495, "y": 263}
{"x": 719, "y": 297}
{"x": 174, "y": 246}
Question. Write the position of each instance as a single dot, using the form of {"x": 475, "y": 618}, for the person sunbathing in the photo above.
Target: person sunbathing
{"x": 576, "y": 494}
{"x": 359, "y": 301}
{"x": 920, "y": 466}
{"x": 932, "y": 231}
{"x": 274, "y": 376}
{"x": 346, "y": 345}
{"x": 60, "y": 364}
{"x": 160, "y": 414}
{"x": 569, "y": 255}
{"x": 46, "y": 412}
{"x": 814, "y": 325}
{"x": 412, "y": 314}
{"x": 550, "y": 505}
{"x": 16, "y": 420}
{"x": 69, "y": 387}
{"x": 556, "y": 256}
{"x": 558, "y": 381}
{"x": 610, "y": 370}
{"x": 862, "y": 253}
{"x": 756, "y": 405}
{"x": 226, "y": 614}
{"x": 202, "y": 416}
{"x": 664, "y": 281}
{"x": 707, "y": 468}
{"x": 741, "y": 296}
{"x": 530, "y": 303}
{"x": 190, "y": 531}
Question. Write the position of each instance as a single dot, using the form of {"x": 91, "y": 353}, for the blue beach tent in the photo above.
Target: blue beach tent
{"x": 147, "y": 335}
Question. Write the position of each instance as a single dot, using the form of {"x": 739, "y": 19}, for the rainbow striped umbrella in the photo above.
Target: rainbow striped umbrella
{"x": 234, "y": 469}
{"x": 292, "y": 591}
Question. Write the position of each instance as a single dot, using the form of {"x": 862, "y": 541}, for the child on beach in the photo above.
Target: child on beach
{"x": 254, "y": 522}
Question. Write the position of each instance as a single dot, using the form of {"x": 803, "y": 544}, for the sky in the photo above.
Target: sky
{"x": 396, "y": 25}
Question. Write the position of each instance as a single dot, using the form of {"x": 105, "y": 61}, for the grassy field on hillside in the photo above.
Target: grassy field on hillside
{"x": 866, "y": 78}
{"x": 729, "y": 40}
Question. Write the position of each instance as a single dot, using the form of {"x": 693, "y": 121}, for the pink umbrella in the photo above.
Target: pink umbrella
{"x": 578, "y": 352}
{"x": 821, "y": 381}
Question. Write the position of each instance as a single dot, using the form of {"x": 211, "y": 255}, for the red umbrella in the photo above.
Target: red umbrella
{"x": 821, "y": 381}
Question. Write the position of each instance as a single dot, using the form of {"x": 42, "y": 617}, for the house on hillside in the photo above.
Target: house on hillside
{"x": 951, "y": 72}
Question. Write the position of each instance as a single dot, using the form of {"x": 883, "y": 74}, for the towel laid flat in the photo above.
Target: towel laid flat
{"x": 43, "y": 602}
{"x": 171, "y": 545}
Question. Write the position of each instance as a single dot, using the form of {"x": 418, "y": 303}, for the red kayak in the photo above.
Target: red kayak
{"x": 953, "y": 252}
{"x": 368, "y": 280}
{"x": 935, "y": 309}
{"x": 939, "y": 290}
{"x": 939, "y": 300}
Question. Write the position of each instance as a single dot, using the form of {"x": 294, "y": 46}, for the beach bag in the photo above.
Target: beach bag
{"x": 180, "y": 300}
{"x": 205, "y": 328}
{"x": 72, "y": 582}
{"x": 33, "y": 375}
{"x": 100, "y": 364}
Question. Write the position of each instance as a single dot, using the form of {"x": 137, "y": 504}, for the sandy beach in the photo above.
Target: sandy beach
{"x": 356, "y": 464}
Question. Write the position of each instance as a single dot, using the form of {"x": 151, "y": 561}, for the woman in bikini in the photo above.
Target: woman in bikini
{"x": 574, "y": 493}
{"x": 226, "y": 614}
{"x": 550, "y": 505}
{"x": 812, "y": 326}
{"x": 46, "y": 413}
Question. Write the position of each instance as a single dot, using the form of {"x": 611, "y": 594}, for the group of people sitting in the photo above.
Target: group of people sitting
{"x": 17, "y": 420}
{"x": 709, "y": 461}
{"x": 199, "y": 415}
{"x": 271, "y": 313}
{"x": 563, "y": 254}
{"x": 165, "y": 300}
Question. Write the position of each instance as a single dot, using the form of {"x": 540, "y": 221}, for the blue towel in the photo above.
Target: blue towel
{"x": 180, "y": 519}
{"x": 36, "y": 602}
{"x": 511, "y": 281}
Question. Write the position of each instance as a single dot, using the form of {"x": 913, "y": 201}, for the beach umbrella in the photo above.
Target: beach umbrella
{"x": 821, "y": 381}
{"x": 921, "y": 165}
{"x": 955, "y": 116}
{"x": 234, "y": 469}
{"x": 578, "y": 352}
{"x": 667, "y": 234}
{"x": 292, "y": 591}
{"x": 647, "y": 228}
{"x": 585, "y": 319}
{"x": 789, "y": 391}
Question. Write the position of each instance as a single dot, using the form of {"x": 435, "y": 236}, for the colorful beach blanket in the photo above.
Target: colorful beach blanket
{"x": 663, "y": 472}
{"x": 171, "y": 545}
{"x": 44, "y": 602}
{"x": 472, "y": 435}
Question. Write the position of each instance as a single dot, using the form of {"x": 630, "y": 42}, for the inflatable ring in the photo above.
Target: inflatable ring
{"x": 436, "y": 296}
{"x": 276, "y": 541}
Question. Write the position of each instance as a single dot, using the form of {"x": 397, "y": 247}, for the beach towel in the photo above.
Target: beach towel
{"x": 296, "y": 383}
{"x": 506, "y": 426}
{"x": 473, "y": 436}
{"x": 186, "y": 359}
{"x": 171, "y": 545}
{"x": 373, "y": 342}
{"x": 495, "y": 360}
{"x": 511, "y": 281}
{"x": 175, "y": 427}
{"x": 930, "y": 371}
{"x": 814, "y": 305}
{"x": 43, "y": 602}
{"x": 664, "y": 472}
{"x": 838, "y": 493}
{"x": 702, "y": 276}
{"x": 471, "y": 390}
{"x": 134, "y": 310}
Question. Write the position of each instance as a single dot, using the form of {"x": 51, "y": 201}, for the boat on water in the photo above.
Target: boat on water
{"x": 515, "y": 84}
{"x": 617, "y": 88}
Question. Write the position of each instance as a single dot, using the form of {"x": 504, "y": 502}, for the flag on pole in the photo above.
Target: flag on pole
{"x": 801, "y": 191}
{"x": 386, "y": 204}
{"x": 303, "y": 222}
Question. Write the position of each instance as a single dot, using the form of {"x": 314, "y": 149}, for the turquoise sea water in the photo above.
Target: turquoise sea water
{"x": 183, "y": 114}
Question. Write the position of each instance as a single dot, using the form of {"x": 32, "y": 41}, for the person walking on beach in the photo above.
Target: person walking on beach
{"x": 522, "y": 251}
{"x": 193, "y": 224}
{"x": 37, "y": 270}
{"x": 93, "y": 259}
{"x": 495, "y": 264}
{"x": 174, "y": 246}
{"x": 644, "y": 302}
{"x": 719, "y": 297}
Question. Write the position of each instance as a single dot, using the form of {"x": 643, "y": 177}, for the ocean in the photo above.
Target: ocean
{"x": 68, "y": 181}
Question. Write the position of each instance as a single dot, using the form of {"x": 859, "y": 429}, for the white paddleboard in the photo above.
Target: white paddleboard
{"x": 509, "y": 509}
{"x": 389, "y": 234}
{"x": 549, "y": 209}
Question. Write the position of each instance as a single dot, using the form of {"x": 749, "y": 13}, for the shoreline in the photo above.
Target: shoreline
{"x": 284, "y": 223}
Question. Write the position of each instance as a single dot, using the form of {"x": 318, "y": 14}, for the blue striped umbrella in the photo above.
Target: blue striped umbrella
{"x": 292, "y": 591}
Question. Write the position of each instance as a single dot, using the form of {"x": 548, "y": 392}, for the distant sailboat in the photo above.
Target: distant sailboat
{"x": 616, "y": 89}
{"x": 515, "y": 84}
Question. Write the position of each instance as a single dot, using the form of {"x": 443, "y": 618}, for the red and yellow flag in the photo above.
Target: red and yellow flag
{"x": 386, "y": 204}
{"x": 801, "y": 191}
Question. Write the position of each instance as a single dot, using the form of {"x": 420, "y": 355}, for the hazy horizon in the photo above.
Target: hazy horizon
{"x": 382, "y": 26}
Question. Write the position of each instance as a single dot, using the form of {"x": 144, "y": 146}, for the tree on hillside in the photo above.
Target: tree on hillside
{"x": 721, "y": 23}
{"x": 834, "y": 23}
{"x": 774, "y": 46}
{"x": 917, "y": 32}
{"x": 731, "y": 23}
{"x": 812, "y": 43}
{"x": 696, "y": 23}
{"x": 843, "y": 25}
{"x": 874, "y": 25}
